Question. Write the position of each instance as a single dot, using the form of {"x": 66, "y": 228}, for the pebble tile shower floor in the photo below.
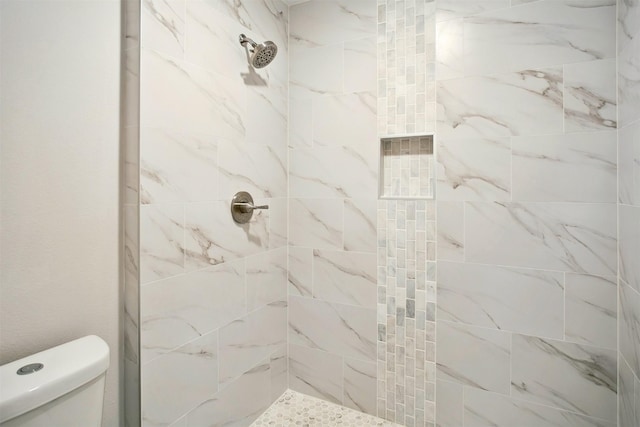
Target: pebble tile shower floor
{"x": 297, "y": 409}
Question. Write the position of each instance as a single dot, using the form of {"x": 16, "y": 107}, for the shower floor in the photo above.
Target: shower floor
{"x": 297, "y": 409}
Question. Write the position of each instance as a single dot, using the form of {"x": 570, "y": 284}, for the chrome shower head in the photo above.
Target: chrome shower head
{"x": 261, "y": 54}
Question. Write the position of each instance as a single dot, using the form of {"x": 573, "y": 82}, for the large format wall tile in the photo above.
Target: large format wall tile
{"x": 328, "y": 22}
{"x": 626, "y": 392}
{"x": 525, "y": 301}
{"x": 484, "y": 409}
{"x": 565, "y": 168}
{"x": 331, "y": 129}
{"x": 451, "y": 9}
{"x": 344, "y": 330}
{"x": 316, "y": 223}
{"x": 560, "y": 236}
{"x": 163, "y": 26}
{"x": 172, "y": 162}
{"x": 266, "y": 275}
{"x": 629, "y": 326}
{"x": 476, "y": 169}
{"x": 629, "y": 248}
{"x": 161, "y": 241}
{"x": 629, "y": 164}
{"x": 628, "y": 62}
{"x": 590, "y": 100}
{"x": 345, "y": 277}
{"x": 177, "y": 310}
{"x": 540, "y": 34}
{"x": 359, "y": 385}
{"x": 450, "y": 231}
{"x": 360, "y": 225}
{"x": 316, "y": 373}
{"x": 574, "y": 377}
{"x": 473, "y": 356}
{"x": 230, "y": 406}
{"x": 528, "y": 102}
{"x": 205, "y": 245}
{"x": 591, "y": 310}
{"x": 247, "y": 341}
{"x": 191, "y": 369}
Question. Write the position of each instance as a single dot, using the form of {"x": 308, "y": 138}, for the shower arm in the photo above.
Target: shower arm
{"x": 244, "y": 40}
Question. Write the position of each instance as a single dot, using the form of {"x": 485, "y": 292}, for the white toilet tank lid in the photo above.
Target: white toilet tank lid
{"x": 66, "y": 367}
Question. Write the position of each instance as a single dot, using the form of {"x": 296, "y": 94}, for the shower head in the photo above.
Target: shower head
{"x": 261, "y": 54}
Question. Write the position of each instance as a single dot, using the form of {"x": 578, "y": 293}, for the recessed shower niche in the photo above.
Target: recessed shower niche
{"x": 407, "y": 167}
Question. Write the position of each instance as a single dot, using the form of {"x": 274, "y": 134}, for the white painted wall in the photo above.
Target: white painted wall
{"x": 59, "y": 178}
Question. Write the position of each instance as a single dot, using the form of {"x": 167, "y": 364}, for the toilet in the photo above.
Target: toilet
{"x": 62, "y": 386}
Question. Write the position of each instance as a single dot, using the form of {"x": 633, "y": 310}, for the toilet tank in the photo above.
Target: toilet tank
{"x": 62, "y": 386}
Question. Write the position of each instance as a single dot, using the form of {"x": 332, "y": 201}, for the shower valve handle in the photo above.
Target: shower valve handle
{"x": 248, "y": 207}
{"x": 242, "y": 207}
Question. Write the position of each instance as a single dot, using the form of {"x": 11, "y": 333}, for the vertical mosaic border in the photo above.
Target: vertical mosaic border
{"x": 406, "y": 311}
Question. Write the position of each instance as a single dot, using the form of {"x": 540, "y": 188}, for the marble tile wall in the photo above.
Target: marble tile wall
{"x": 526, "y": 234}
{"x": 407, "y": 168}
{"x": 213, "y": 294}
{"x": 629, "y": 212}
{"x": 333, "y": 188}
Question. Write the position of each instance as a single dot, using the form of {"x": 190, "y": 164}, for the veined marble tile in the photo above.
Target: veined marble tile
{"x": 528, "y": 102}
{"x": 278, "y": 367}
{"x": 316, "y": 71}
{"x": 278, "y": 222}
{"x": 247, "y": 341}
{"x": 332, "y": 172}
{"x": 316, "y": 223}
{"x": 484, "y": 409}
{"x": 360, "y": 385}
{"x": 360, "y": 62}
{"x": 360, "y": 225}
{"x": 450, "y": 231}
{"x": 162, "y": 247}
{"x": 628, "y": 62}
{"x": 629, "y": 247}
{"x": 449, "y": 404}
{"x": 177, "y": 167}
{"x": 540, "y": 34}
{"x": 194, "y": 100}
{"x": 626, "y": 394}
{"x": 259, "y": 169}
{"x": 267, "y": 107}
{"x": 452, "y": 9}
{"x": 300, "y": 123}
{"x": 525, "y": 301}
{"x": 266, "y": 278}
{"x": 212, "y": 39}
{"x": 230, "y": 406}
{"x": 591, "y": 310}
{"x": 345, "y": 330}
{"x": 268, "y": 18}
{"x": 474, "y": 169}
{"x": 570, "y": 237}
{"x": 316, "y": 373}
{"x": 212, "y": 237}
{"x": 450, "y": 49}
{"x": 177, "y": 310}
{"x": 300, "y": 271}
{"x": 162, "y": 26}
{"x": 345, "y": 277}
{"x": 565, "y": 168}
{"x": 590, "y": 95}
{"x": 629, "y": 325}
{"x": 629, "y": 164}
{"x": 346, "y": 120}
{"x": 473, "y": 356}
{"x": 176, "y": 382}
{"x": 564, "y": 375}
{"x": 331, "y": 21}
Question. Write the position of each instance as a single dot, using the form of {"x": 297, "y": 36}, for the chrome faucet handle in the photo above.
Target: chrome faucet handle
{"x": 242, "y": 207}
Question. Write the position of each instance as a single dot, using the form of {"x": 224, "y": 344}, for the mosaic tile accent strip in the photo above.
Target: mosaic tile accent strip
{"x": 406, "y": 311}
{"x": 407, "y": 167}
{"x": 297, "y": 409}
{"x": 406, "y": 66}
